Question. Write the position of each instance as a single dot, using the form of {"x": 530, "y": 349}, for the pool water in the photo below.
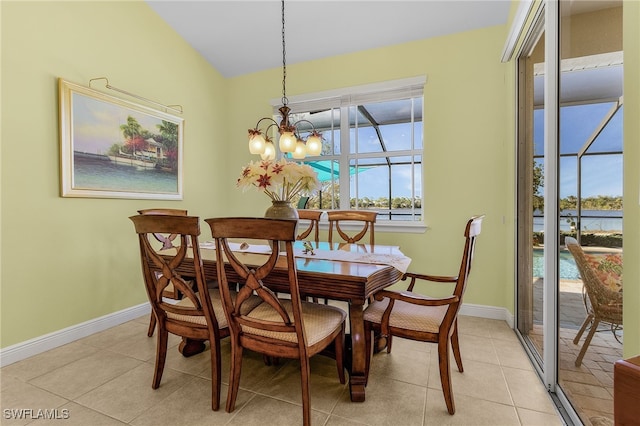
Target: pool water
{"x": 568, "y": 268}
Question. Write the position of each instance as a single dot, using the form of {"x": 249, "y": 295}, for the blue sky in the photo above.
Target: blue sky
{"x": 601, "y": 174}
{"x": 96, "y": 124}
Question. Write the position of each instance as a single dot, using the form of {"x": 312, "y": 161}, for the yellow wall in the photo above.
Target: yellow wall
{"x": 69, "y": 260}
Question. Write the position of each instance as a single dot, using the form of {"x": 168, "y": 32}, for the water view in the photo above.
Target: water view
{"x": 103, "y": 174}
{"x": 592, "y": 220}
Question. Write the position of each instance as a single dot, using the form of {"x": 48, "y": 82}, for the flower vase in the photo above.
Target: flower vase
{"x": 282, "y": 210}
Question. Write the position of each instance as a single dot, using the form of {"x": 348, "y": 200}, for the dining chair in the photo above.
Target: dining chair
{"x": 603, "y": 304}
{"x": 199, "y": 315}
{"x": 167, "y": 243}
{"x": 365, "y": 220}
{"x": 313, "y": 216}
{"x": 278, "y": 327}
{"x": 417, "y": 317}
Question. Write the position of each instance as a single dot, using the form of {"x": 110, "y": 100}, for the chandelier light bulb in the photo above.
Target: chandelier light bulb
{"x": 314, "y": 144}
{"x": 287, "y": 142}
{"x": 256, "y": 141}
{"x": 269, "y": 151}
{"x": 300, "y": 152}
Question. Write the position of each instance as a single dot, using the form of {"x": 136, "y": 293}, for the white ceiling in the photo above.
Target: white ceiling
{"x": 240, "y": 37}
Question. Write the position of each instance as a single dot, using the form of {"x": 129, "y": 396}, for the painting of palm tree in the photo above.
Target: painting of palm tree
{"x": 113, "y": 148}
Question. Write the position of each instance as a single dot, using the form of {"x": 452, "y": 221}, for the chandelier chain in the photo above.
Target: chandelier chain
{"x": 285, "y": 101}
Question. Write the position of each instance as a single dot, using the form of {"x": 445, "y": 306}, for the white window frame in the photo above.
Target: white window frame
{"x": 357, "y": 95}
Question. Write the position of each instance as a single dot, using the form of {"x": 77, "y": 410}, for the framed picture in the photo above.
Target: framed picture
{"x": 113, "y": 148}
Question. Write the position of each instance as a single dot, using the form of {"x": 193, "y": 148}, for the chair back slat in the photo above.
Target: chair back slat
{"x": 160, "y": 267}
{"x": 251, "y": 278}
{"x": 313, "y": 216}
{"x": 339, "y": 218}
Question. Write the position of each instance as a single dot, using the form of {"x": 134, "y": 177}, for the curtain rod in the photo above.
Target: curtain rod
{"x": 176, "y": 108}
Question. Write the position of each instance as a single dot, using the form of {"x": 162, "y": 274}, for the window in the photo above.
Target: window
{"x": 372, "y": 149}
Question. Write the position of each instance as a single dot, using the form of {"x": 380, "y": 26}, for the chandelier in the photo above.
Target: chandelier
{"x": 290, "y": 139}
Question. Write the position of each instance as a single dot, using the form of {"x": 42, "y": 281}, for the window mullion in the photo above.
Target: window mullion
{"x": 344, "y": 157}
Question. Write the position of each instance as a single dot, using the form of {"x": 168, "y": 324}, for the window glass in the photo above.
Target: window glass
{"x": 378, "y": 139}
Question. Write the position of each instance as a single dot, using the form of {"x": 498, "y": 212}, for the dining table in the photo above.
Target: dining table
{"x": 339, "y": 271}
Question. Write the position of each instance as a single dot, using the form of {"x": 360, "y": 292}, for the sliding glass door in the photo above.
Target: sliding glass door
{"x": 570, "y": 152}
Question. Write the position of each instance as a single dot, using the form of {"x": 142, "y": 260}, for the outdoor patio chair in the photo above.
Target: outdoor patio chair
{"x": 603, "y": 304}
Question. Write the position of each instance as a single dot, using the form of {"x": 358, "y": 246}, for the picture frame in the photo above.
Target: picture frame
{"x": 114, "y": 148}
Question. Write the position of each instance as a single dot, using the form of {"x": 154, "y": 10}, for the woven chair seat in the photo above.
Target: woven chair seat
{"x": 319, "y": 321}
{"x": 216, "y": 303}
{"x": 407, "y": 315}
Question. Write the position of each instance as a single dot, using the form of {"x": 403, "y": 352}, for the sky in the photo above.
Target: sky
{"x": 601, "y": 174}
{"x": 96, "y": 123}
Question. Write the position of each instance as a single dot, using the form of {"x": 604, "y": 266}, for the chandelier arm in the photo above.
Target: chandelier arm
{"x": 274, "y": 123}
{"x": 313, "y": 128}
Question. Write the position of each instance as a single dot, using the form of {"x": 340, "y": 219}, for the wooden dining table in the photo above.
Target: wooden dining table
{"x": 342, "y": 272}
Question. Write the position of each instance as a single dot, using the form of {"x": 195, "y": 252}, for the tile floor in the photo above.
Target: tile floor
{"x": 105, "y": 379}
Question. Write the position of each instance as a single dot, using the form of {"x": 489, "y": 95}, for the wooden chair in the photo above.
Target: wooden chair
{"x": 417, "y": 317}
{"x": 167, "y": 243}
{"x": 199, "y": 315}
{"x": 313, "y": 216}
{"x": 366, "y": 219}
{"x": 278, "y": 328}
{"x": 603, "y": 304}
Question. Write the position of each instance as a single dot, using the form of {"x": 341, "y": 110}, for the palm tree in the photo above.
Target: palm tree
{"x": 132, "y": 131}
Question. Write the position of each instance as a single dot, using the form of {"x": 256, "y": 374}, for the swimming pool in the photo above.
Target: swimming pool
{"x": 568, "y": 268}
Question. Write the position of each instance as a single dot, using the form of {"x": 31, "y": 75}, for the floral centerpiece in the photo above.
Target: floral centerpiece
{"x": 281, "y": 180}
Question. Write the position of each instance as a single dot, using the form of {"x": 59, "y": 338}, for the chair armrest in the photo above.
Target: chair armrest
{"x": 416, "y": 299}
{"x": 432, "y": 278}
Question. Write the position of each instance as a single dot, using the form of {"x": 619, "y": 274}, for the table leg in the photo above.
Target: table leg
{"x": 190, "y": 347}
{"x": 357, "y": 378}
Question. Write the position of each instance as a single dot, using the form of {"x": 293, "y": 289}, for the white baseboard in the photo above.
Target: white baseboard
{"x": 490, "y": 312}
{"x": 37, "y": 345}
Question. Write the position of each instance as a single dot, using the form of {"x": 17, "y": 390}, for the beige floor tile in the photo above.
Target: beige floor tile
{"x": 254, "y": 370}
{"x": 79, "y": 416}
{"x": 537, "y": 418}
{"x": 339, "y": 421}
{"x": 405, "y": 365}
{"x": 194, "y": 365}
{"x": 477, "y": 348}
{"x": 261, "y": 410}
{"x": 325, "y": 387}
{"x": 388, "y": 402}
{"x": 469, "y": 411}
{"x": 111, "y": 399}
{"x": 18, "y": 396}
{"x": 511, "y": 354}
{"x": 114, "y": 335}
{"x": 144, "y": 348}
{"x": 83, "y": 375}
{"x": 43, "y": 363}
{"x": 475, "y": 326}
{"x": 190, "y": 405}
{"x": 479, "y": 380}
{"x": 527, "y": 390}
